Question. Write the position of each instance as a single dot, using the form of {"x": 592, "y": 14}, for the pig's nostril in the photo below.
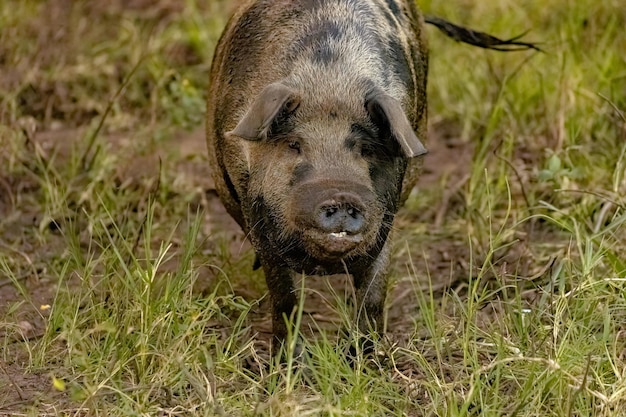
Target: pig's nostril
{"x": 342, "y": 217}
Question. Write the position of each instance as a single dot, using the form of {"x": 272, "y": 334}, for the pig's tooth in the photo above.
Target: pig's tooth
{"x": 339, "y": 234}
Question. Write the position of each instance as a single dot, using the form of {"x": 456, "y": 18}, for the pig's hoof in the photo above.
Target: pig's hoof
{"x": 281, "y": 350}
{"x": 366, "y": 350}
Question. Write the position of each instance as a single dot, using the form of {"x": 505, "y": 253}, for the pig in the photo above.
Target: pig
{"x": 316, "y": 122}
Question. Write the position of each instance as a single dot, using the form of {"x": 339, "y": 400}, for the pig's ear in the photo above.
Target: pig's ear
{"x": 270, "y": 103}
{"x": 387, "y": 113}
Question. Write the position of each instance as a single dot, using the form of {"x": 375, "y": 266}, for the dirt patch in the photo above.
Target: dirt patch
{"x": 22, "y": 390}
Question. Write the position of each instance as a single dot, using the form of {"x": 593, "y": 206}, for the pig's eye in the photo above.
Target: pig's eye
{"x": 367, "y": 151}
{"x": 295, "y": 146}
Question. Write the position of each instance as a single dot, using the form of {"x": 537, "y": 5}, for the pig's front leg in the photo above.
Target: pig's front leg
{"x": 371, "y": 291}
{"x": 283, "y": 299}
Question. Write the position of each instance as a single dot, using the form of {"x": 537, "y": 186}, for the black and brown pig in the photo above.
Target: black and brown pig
{"x": 316, "y": 117}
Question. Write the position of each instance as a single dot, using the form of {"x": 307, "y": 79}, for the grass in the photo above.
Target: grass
{"x": 509, "y": 274}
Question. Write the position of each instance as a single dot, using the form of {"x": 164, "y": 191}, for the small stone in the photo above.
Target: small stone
{"x": 26, "y": 327}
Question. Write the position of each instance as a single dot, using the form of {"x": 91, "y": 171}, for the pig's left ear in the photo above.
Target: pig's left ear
{"x": 387, "y": 112}
{"x": 269, "y": 104}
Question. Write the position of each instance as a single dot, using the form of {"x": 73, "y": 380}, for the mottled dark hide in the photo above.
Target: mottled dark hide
{"x": 316, "y": 117}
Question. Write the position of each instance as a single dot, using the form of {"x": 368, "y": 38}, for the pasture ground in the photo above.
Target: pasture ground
{"x": 126, "y": 290}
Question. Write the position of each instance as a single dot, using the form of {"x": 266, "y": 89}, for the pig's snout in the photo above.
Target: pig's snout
{"x": 335, "y": 218}
{"x": 341, "y": 215}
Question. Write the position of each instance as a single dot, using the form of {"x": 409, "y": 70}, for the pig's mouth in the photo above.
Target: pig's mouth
{"x": 333, "y": 245}
{"x": 342, "y": 242}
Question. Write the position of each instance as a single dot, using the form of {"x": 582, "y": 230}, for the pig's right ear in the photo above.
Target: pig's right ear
{"x": 274, "y": 100}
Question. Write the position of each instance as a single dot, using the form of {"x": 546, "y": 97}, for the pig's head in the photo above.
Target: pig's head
{"x": 324, "y": 176}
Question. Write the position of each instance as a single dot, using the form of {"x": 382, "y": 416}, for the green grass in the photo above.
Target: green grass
{"x": 509, "y": 276}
